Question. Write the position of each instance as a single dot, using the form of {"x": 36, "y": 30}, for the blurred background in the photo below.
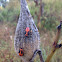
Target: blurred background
{"x": 47, "y": 15}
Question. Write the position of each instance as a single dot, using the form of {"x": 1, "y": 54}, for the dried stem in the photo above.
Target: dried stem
{"x": 55, "y": 44}
{"x": 40, "y": 56}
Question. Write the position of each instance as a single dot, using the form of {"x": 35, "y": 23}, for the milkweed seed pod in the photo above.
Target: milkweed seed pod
{"x": 30, "y": 42}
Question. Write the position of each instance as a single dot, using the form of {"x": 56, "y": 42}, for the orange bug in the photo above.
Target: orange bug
{"x": 27, "y": 31}
{"x": 21, "y": 52}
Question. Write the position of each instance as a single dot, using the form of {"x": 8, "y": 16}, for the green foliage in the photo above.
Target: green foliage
{"x": 48, "y": 23}
{"x": 1, "y": 17}
{"x": 51, "y": 16}
{"x": 52, "y": 12}
{"x": 9, "y": 15}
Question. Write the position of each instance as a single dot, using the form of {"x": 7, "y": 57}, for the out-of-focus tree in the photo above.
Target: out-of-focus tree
{"x": 36, "y": 1}
{"x": 40, "y": 13}
{"x": 4, "y": 2}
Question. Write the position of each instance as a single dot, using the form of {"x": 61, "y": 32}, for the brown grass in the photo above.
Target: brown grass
{"x": 7, "y": 45}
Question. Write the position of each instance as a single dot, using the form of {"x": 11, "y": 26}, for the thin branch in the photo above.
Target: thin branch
{"x": 55, "y": 44}
{"x": 40, "y": 56}
{"x": 36, "y": 2}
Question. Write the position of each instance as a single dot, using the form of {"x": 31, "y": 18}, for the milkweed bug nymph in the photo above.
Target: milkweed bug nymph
{"x": 21, "y": 53}
{"x": 27, "y": 30}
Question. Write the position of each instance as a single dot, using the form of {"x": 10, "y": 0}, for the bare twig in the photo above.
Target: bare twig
{"x": 55, "y": 44}
{"x": 36, "y": 2}
{"x": 40, "y": 55}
